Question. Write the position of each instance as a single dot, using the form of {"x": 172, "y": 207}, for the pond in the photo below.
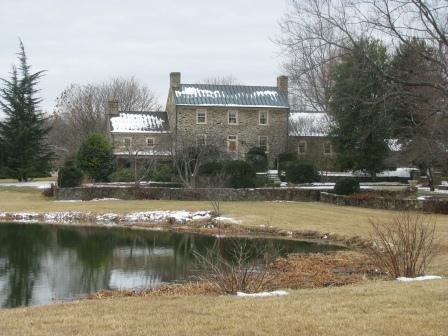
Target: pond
{"x": 40, "y": 264}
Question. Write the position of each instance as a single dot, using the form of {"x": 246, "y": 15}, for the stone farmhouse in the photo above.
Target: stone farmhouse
{"x": 233, "y": 118}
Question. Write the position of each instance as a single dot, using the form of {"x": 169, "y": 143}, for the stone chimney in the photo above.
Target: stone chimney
{"x": 112, "y": 107}
{"x": 174, "y": 79}
{"x": 282, "y": 84}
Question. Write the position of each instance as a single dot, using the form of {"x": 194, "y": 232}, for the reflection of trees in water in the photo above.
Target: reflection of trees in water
{"x": 22, "y": 250}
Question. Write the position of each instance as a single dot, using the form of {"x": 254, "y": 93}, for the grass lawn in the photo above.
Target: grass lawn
{"x": 299, "y": 216}
{"x": 371, "y": 308}
{"x": 42, "y": 179}
{"x": 375, "y": 308}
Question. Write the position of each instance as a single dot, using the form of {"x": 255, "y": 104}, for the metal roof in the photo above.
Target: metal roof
{"x": 140, "y": 122}
{"x": 230, "y": 95}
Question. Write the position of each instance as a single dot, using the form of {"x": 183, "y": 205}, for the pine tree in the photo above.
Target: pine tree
{"x": 359, "y": 107}
{"x": 24, "y": 130}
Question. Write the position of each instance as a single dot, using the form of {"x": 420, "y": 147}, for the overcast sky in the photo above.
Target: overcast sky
{"x": 91, "y": 41}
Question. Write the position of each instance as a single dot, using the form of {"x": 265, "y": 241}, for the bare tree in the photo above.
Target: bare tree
{"x": 81, "y": 109}
{"x": 190, "y": 152}
{"x": 144, "y": 160}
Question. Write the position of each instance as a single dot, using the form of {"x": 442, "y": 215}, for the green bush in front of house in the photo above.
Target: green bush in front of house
{"x": 95, "y": 158}
{"x": 123, "y": 175}
{"x": 258, "y": 159}
{"x": 301, "y": 172}
{"x": 346, "y": 186}
{"x": 69, "y": 175}
{"x": 284, "y": 159}
{"x": 239, "y": 174}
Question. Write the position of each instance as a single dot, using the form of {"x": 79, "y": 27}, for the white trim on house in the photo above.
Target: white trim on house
{"x": 150, "y": 142}
{"x": 305, "y": 147}
{"x": 259, "y": 118}
{"x": 267, "y": 142}
{"x": 232, "y": 139}
{"x": 198, "y": 111}
{"x": 236, "y": 117}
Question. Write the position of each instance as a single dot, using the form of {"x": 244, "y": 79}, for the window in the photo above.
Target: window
{"x": 201, "y": 116}
{"x": 201, "y": 139}
{"x": 150, "y": 142}
{"x": 328, "y": 148}
{"x": 127, "y": 141}
{"x": 232, "y": 143}
{"x": 263, "y": 143}
{"x": 302, "y": 147}
{"x": 233, "y": 117}
{"x": 263, "y": 117}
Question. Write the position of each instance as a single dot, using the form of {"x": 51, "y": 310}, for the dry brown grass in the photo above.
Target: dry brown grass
{"x": 375, "y": 308}
{"x": 295, "y": 216}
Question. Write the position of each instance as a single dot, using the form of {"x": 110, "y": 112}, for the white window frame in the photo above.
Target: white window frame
{"x": 153, "y": 142}
{"x": 331, "y": 148}
{"x": 205, "y": 117}
{"x": 234, "y": 139}
{"x": 200, "y": 138}
{"x": 236, "y": 117}
{"x": 130, "y": 141}
{"x": 305, "y": 145}
{"x": 267, "y": 142}
{"x": 259, "y": 118}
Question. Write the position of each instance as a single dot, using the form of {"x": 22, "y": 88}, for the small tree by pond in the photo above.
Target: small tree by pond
{"x": 244, "y": 268}
{"x": 404, "y": 246}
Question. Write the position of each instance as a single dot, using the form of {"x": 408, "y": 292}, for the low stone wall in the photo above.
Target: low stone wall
{"x": 197, "y": 194}
{"x": 374, "y": 202}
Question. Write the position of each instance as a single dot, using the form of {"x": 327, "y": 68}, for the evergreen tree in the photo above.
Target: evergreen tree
{"x": 419, "y": 111}
{"x": 23, "y": 132}
{"x": 359, "y": 107}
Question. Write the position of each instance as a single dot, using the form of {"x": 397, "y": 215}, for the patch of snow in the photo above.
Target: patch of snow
{"x": 420, "y": 278}
{"x": 31, "y": 184}
{"x": 263, "y": 294}
{"x": 138, "y": 122}
{"x": 393, "y": 144}
{"x": 105, "y": 199}
{"x": 226, "y": 220}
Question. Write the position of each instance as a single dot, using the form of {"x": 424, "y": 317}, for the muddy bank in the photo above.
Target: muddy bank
{"x": 294, "y": 272}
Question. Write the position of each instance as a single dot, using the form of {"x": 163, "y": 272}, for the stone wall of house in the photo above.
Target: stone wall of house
{"x": 314, "y": 151}
{"x": 199, "y": 194}
{"x": 162, "y": 142}
{"x": 248, "y": 130}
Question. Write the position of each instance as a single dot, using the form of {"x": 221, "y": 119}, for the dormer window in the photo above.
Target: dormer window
{"x": 232, "y": 117}
{"x": 201, "y": 116}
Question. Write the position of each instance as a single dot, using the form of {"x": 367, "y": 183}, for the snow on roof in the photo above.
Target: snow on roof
{"x": 140, "y": 122}
{"x": 309, "y": 124}
{"x": 394, "y": 145}
{"x": 230, "y": 95}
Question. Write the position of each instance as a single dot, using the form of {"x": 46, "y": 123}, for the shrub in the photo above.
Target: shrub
{"x": 436, "y": 206}
{"x": 95, "y": 158}
{"x": 246, "y": 268}
{"x": 264, "y": 181}
{"x": 123, "y": 175}
{"x": 347, "y": 186}
{"x": 163, "y": 173}
{"x": 284, "y": 159}
{"x": 301, "y": 172}
{"x": 239, "y": 174}
{"x": 258, "y": 159}
{"x": 69, "y": 176}
{"x": 405, "y": 246}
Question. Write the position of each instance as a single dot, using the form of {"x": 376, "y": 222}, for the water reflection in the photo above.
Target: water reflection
{"x": 40, "y": 264}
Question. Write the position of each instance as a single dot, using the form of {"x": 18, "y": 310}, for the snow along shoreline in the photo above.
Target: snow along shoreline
{"x": 107, "y": 219}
